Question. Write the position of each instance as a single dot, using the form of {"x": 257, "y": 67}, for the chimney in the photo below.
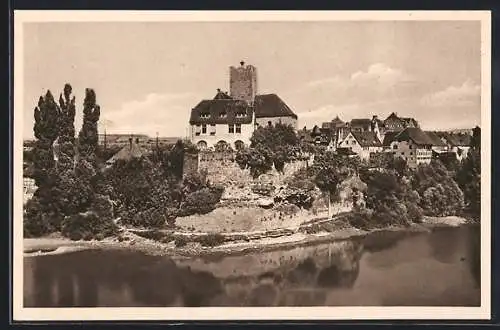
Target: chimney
{"x": 130, "y": 142}
{"x": 375, "y": 117}
{"x": 136, "y": 140}
{"x": 242, "y": 63}
{"x": 218, "y": 90}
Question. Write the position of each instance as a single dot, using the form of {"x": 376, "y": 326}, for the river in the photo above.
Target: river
{"x": 439, "y": 268}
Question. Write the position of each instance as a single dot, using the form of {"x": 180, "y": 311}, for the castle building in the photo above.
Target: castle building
{"x": 229, "y": 119}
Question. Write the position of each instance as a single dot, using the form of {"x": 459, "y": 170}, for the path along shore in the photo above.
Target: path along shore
{"x": 56, "y": 244}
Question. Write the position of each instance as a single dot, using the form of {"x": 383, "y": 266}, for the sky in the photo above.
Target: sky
{"x": 148, "y": 76}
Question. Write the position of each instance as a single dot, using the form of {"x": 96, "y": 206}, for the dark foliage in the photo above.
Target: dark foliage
{"x": 270, "y": 146}
{"x": 87, "y": 226}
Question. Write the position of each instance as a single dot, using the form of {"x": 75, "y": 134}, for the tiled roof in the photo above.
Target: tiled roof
{"x": 415, "y": 134}
{"x": 455, "y": 139}
{"x": 271, "y": 105}
{"x": 128, "y": 152}
{"x": 367, "y": 139}
{"x": 436, "y": 140}
{"x": 221, "y": 111}
{"x": 389, "y": 137}
{"x": 361, "y": 122}
{"x": 225, "y": 110}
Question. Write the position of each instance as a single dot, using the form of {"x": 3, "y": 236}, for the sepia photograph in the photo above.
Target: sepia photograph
{"x": 251, "y": 165}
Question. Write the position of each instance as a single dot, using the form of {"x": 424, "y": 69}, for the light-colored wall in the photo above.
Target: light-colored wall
{"x": 222, "y": 133}
{"x": 264, "y": 121}
{"x": 412, "y": 153}
{"x": 362, "y": 152}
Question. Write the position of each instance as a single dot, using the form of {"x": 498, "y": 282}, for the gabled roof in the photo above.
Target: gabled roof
{"x": 367, "y": 139}
{"x": 436, "y": 140}
{"x": 225, "y": 110}
{"x": 128, "y": 152}
{"x": 361, "y": 122}
{"x": 271, "y": 105}
{"x": 414, "y": 134}
{"x": 389, "y": 137}
{"x": 221, "y": 111}
{"x": 455, "y": 139}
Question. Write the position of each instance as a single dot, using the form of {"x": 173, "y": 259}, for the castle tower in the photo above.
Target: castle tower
{"x": 243, "y": 82}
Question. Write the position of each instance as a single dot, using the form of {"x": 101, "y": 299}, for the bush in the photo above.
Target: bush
{"x": 211, "y": 240}
{"x": 180, "y": 241}
{"x": 200, "y": 202}
{"x": 87, "y": 226}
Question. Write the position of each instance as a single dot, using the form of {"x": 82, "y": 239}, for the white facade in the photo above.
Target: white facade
{"x": 362, "y": 151}
{"x": 413, "y": 154}
{"x": 207, "y": 136}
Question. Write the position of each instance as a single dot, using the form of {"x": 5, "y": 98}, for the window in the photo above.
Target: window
{"x": 231, "y": 128}
{"x": 411, "y": 153}
{"x": 269, "y": 123}
{"x": 410, "y": 147}
{"x": 223, "y": 115}
{"x": 238, "y": 128}
{"x": 212, "y": 129}
{"x": 240, "y": 115}
{"x": 204, "y": 129}
{"x": 205, "y": 115}
{"x": 395, "y": 146}
{"x": 198, "y": 130}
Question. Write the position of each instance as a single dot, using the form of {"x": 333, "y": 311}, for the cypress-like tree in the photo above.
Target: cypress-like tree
{"x": 46, "y": 131}
{"x": 88, "y": 137}
{"x": 66, "y": 138}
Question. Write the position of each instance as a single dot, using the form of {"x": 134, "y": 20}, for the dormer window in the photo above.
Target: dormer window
{"x": 223, "y": 115}
{"x": 205, "y": 115}
{"x": 240, "y": 115}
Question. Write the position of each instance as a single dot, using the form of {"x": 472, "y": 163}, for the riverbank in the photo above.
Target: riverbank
{"x": 242, "y": 244}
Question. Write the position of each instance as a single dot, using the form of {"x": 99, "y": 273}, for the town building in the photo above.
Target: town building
{"x": 229, "y": 120}
{"x": 337, "y": 129}
{"x": 362, "y": 143}
{"x": 395, "y": 123}
{"x": 458, "y": 143}
{"x": 130, "y": 151}
{"x": 412, "y": 145}
{"x": 438, "y": 146}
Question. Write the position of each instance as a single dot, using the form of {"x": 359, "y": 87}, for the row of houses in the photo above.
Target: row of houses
{"x": 398, "y": 136}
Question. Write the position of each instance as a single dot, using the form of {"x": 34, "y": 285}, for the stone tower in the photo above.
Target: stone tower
{"x": 243, "y": 82}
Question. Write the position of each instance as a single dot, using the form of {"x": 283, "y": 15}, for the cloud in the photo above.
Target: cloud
{"x": 167, "y": 114}
{"x": 382, "y": 75}
{"x": 376, "y": 82}
{"x": 466, "y": 95}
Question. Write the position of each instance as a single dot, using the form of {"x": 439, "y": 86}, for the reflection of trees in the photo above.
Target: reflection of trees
{"x": 474, "y": 256}
{"x": 77, "y": 277}
{"x": 126, "y": 278}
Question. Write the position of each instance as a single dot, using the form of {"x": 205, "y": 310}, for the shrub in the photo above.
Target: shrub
{"x": 211, "y": 240}
{"x": 200, "y": 202}
{"x": 180, "y": 241}
{"x": 86, "y": 226}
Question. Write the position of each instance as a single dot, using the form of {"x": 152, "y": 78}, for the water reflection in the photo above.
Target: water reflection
{"x": 325, "y": 274}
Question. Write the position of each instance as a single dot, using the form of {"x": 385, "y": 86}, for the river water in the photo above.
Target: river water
{"x": 440, "y": 268}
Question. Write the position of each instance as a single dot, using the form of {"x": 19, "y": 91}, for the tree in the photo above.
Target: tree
{"x": 88, "y": 137}
{"x": 269, "y": 146}
{"x": 330, "y": 171}
{"x": 469, "y": 175}
{"x": 440, "y": 194}
{"x": 66, "y": 123}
